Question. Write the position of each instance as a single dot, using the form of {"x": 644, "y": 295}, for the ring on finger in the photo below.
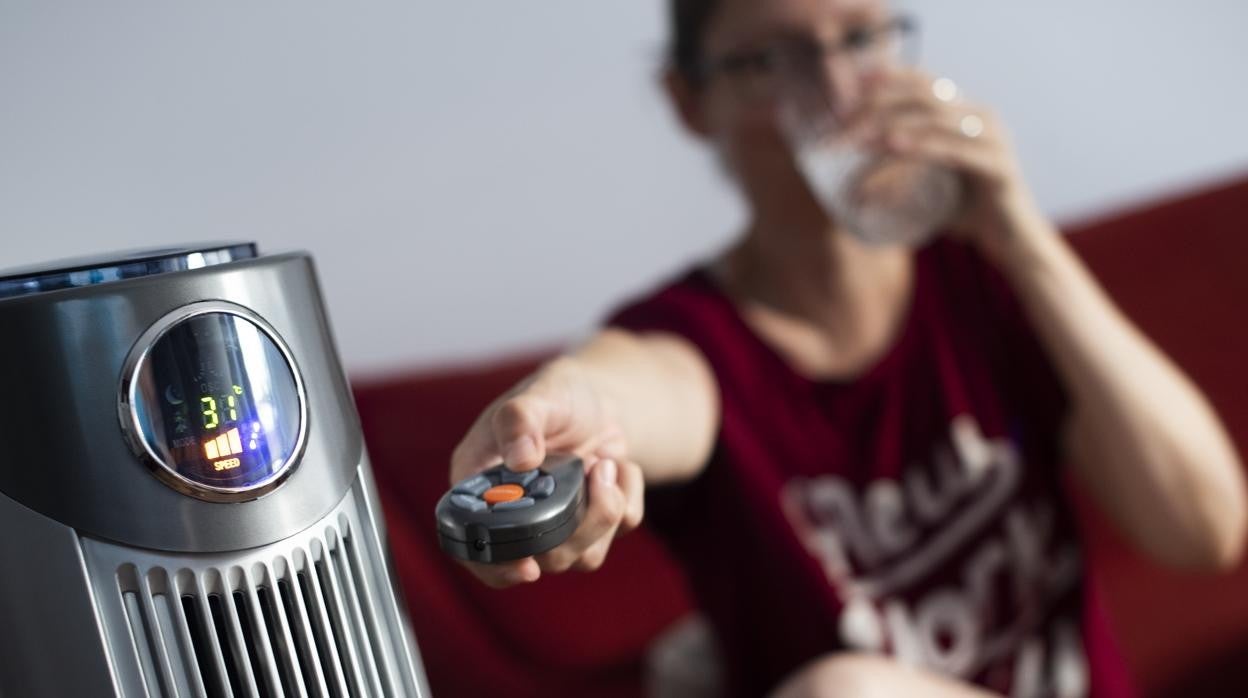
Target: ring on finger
{"x": 945, "y": 90}
{"x": 971, "y": 125}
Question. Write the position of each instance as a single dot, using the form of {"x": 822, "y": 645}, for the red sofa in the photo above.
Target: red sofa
{"x": 1180, "y": 269}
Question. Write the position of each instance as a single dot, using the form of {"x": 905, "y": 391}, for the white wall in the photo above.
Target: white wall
{"x": 476, "y": 177}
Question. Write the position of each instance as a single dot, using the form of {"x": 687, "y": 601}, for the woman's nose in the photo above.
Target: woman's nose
{"x": 844, "y": 82}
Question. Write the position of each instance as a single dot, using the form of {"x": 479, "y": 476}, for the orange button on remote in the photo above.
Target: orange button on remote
{"x": 503, "y": 493}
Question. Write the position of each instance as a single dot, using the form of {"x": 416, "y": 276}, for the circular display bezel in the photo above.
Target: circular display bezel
{"x": 131, "y": 421}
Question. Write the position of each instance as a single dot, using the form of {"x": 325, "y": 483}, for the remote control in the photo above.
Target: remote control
{"x": 499, "y": 515}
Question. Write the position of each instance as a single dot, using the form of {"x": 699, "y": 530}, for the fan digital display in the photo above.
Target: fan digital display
{"x": 218, "y": 404}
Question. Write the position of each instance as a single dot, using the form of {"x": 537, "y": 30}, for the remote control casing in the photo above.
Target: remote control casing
{"x": 499, "y": 535}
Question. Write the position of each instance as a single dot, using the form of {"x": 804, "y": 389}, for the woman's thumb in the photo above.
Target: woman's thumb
{"x": 519, "y": 427}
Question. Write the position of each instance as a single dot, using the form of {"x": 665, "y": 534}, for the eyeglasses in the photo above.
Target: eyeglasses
{"x": 803, "y": 59}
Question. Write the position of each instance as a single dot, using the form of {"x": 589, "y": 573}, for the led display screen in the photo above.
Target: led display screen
{"x": 217, "y": 403}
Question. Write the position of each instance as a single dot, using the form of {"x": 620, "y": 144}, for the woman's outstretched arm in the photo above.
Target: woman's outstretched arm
{"x": 638, "y": 408}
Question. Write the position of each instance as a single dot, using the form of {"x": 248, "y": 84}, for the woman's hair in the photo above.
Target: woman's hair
{"x": 689, "y": 19}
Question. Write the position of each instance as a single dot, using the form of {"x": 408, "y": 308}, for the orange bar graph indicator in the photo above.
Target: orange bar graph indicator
{"x": 227, "y": 444}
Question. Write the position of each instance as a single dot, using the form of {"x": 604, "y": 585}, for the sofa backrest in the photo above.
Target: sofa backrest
{"x": 1179, "y": 269}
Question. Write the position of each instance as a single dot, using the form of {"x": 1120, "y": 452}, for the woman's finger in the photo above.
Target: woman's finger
{"x": 594, "y": 556}
{"x": 953, "y": 120}
{"x": 871, "y": 118}
{"x": 500, "y": 575}
{"x": 906, "y": 92}
{"x": 898, "y": 85}
{"x": 603, "y": 515}
{"x": 519, "y": 427}
{"x": 955, "y": 150}
{"x": 632, "y": 485}
{"x": 910, "y": 106}
{"x": 477, "y": 451}
{"x": 512, "y": 428}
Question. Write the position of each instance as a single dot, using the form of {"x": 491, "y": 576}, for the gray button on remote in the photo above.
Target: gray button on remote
{"x": 522, "y": 479}
{"x": 464, "y": 501}
{"x": 542, "y": 487}
{"x": 474, "y": 485}
{"x": 521, "y": 503}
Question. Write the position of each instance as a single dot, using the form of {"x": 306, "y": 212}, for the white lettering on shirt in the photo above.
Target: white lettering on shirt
{"x": 881, "y": 544}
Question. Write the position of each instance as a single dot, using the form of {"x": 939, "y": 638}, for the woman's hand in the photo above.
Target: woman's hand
{"x": 557, "y": 410}
{"x": 910, "y": 114}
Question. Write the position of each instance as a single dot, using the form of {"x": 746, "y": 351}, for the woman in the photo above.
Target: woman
{"x": 855, "y": 449}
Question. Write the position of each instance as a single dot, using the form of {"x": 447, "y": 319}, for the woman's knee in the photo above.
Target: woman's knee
{"x": 834, "y": 675}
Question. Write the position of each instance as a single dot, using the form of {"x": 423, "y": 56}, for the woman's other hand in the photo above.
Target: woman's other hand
{"x": 909, "y": 113}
